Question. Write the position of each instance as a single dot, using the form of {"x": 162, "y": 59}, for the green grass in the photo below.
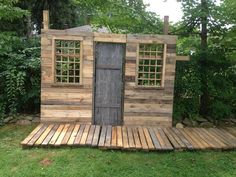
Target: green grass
{"x": 70, "y": 162}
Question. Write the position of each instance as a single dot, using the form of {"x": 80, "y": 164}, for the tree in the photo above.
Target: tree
{"x": 205, "y": 20}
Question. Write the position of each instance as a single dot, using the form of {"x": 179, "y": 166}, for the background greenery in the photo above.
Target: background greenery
{"x": 205, "y": 86}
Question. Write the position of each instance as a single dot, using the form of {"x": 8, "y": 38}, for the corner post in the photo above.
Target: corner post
{"x": 166, "y": 25}
{"x": 45, "y": 19}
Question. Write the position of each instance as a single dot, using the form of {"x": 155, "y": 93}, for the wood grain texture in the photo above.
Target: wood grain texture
{"x": 130, "y": 137}
{"x": 73, "y": 103}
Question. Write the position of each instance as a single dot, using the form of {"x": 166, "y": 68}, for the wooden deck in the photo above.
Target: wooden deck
{"x": 131, "y": 137}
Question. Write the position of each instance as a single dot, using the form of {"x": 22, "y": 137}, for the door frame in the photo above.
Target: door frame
{"x": 94, "y": 80}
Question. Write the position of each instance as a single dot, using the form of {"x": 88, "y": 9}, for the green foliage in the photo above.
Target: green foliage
{"x": 10, "y": 12}
{"x": 120, "y": 16}
{"x": 19, "y": 74}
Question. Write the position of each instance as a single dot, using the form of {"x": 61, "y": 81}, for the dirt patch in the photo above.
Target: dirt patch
{"x": 46, "y": 162}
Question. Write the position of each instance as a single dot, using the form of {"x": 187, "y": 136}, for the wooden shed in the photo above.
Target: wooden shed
{"x": 107, "y": 79}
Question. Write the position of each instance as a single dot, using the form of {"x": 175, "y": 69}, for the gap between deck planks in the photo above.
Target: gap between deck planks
{"x": 131, "y": 137}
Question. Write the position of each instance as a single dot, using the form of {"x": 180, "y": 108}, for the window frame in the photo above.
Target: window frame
{"x": 69, "y": 38}
{"x": 162, "y": 71}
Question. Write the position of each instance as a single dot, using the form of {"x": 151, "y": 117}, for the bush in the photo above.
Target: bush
{"x": 19, "y": 74}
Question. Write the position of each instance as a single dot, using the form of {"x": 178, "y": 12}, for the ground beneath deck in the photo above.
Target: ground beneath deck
{"x": 131, "y": 137}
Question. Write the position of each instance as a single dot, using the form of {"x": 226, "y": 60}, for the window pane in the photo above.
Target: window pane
{"x": 67, "y": 58}
{"x": 150, "y": 64}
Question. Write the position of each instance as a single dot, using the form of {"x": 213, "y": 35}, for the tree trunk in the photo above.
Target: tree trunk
{"x": 204, "y": 102}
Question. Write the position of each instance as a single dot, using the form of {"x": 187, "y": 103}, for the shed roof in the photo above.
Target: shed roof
{"x": 89, "y": 28}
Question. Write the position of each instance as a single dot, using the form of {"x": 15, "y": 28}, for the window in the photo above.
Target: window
{"x": 67, "y": 61}
{"x": 150, "y": 65}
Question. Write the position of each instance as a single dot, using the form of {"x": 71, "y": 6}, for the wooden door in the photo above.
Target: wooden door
{"x": 108, "y": 83}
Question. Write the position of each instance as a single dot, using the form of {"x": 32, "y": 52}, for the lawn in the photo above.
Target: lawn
{"x": 73, "y": 162}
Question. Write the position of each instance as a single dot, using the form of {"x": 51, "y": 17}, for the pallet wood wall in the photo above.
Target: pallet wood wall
{"x": 149, "y": 106}
{"x": 142, "y": 106}
{"x": 61, "y": 102}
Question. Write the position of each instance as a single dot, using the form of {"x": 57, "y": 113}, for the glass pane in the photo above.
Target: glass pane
{"x": 58, "y": 72}
{"x": 77, "y": 80}
{"x": 77, "y": 72}
{"x": 77, "y": 66}
{"x": 58, "y": 79}
{"x": 77, "y": 51}
{"x": 71, "y": 79}
{"x": 77, "y": 60}
{"x": 77, "y": 44}
{"x": 71, "y": 59}
{"x": 64, "y": 79}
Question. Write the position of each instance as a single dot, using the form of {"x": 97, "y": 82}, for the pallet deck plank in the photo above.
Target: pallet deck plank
{"x": 142, "y": 138}
{"x": 114, "y": 138}
{"x": 177, "y": 139}
{"x": 31, "y": 135}
{"x": 62, "y": 134}
{"x": 79, "y": 135}
{"x": 154, "y": 139}
{"x": 73, "y": 135}
{"x": 182, "y": 138}
{"x": 56, "y": 135}
{"x": 107, "y": 143}
{"x": 37, "y": 135}
{"x": 90, "y": 135}
{"x": 102, "y": 136}
{"x": 67, "y": 135}
{"x": 136, "y": 138}
{"x": 85, "y": 135}
{"x": 148, "y": 139}
{"x": 125, "y": 138}
{"x": 130, "y": 137}
{"x": 96, "y": 135}
{"x": 43, "y": 135}
{"x": 50, "y": 135}
{"x": 119, "y": 137}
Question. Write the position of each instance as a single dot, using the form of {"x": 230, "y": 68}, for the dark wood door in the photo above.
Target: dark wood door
{"x": 108, "y": 91}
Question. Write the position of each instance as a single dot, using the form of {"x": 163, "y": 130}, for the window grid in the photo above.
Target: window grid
{"x": 150, "y": 63}
{"x": 67, "y": 59}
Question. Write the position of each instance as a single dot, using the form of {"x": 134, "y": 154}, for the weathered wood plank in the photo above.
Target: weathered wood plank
{"x": 214, "y": 138}
{"x": 178, "y": 140}
{"x": 68, "y": 134}
{"x": 130, "y": 138}
{"x": 168, "y": 145}
{"x": 56, "y": 135}
{"x": 79, "y": 135}
{"x": 84, "y": 135}
{"x": 148, "y": 139}
{"x": 102, "y": 136}
{"x": 108, "y": 137}
{"x": 142, "y": 138}
{"x": 62, "y": 134}
{"x": 190, "y": 140}
{"x": 73, "y": 134}
{"x": 114, "y": 138}
{"x": 43, "y": 135}
{"x": 119, "y": 137}
{"x": 154, "y": 139}
{"x": 31, "y": 135}
{"x": 50, "y": 135}
{"x": 136, "y": 138}
{"x": 37, "y": 135}
{"x": 172, "y": 139}
{"x": 96, "y": 135}
{"x": 125, "y": 138}
{"x": 90, "y": 135}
